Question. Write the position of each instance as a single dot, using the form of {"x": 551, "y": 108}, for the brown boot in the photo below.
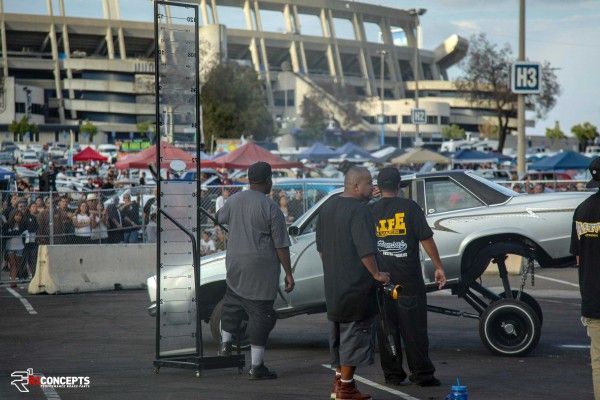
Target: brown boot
{"x": 348, "y": 391}
{"x": 336, "y": 386}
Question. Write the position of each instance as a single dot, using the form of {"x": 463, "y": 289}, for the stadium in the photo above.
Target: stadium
{"x": 60, "y": 69}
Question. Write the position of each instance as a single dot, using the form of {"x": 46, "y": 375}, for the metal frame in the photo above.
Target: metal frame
{"x": 196, "y": 361}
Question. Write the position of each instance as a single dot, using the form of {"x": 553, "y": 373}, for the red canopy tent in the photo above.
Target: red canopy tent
{"x": 244, "y": 156}
{"x": 89, "y": 154}
{"x": 168, "y": 152}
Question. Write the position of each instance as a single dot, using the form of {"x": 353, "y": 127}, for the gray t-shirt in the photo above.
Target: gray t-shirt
{"x": 256, "y": 228}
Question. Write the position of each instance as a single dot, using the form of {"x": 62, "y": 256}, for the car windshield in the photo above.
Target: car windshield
{"x": 497, "y": 187}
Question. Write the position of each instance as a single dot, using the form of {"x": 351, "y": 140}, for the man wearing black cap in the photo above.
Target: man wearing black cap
{"x": 258, "y": 243}
{"x": 400, "y": 226}
{"x": 585, "y": 246}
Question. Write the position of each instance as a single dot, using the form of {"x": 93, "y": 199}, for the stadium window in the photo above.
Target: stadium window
{"x": 406, "y": 119}
{"x": 406, "y": 70}
{"x": 310, "y": 25}
{"x": 432, "y": 119}
{"x": 234, "y": 15}
{"x": 427, "y": 74}
{"x": 372, "y": 32}
{"x": 343, "y": 29}
{"x": 272, "y": 21}
{"x": 445, "y": 120}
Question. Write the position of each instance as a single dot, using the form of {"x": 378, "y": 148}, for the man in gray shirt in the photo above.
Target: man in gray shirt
{"x": 258, "y": 243}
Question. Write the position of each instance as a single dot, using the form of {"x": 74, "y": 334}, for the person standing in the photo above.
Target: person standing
{"x": 82, "y": 221}
{"x": 585, "y": 246}
{"x": 222, "y": 199}
{"x": 258, "y": 244}
{"x": 131, "y": 215}
{"x": 400, "y": 225}
{"x": 14, "y": 229}
{"x": 346, "y": 243}
{"x": 31, "y": 247}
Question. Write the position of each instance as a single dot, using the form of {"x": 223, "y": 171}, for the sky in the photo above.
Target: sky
{"x": 563, "y": 32}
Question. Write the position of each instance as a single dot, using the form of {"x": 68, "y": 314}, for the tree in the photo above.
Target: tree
{"x": 555, "y": 134}
{"x": 488, "y": 130}
{"x": 314, "y": 119}
{"x": 21, "y": 128}
{"x": 486, "y": 82}
{"x": 584, "y": 133}
{"x": 89, "y": 128}
{"x": 233, "y": 104}
{"x": 453, "y": 132}
{"x": 144, "y": 127}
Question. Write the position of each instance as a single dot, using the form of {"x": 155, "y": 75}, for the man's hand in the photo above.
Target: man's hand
{"x": 440, "y": 278}
{"x": 382, "y": 277}
{"x": 376, "y": 192}
{"x": 289, "y": 283}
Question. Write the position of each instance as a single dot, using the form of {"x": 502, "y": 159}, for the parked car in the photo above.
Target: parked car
{"x": 475, "y": 221}
{"x": 109, "y": 151}
{"x": 7, "y": 158}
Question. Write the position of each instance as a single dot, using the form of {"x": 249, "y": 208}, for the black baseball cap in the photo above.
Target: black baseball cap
{"x": 388, "y": 178}
{"x": 259, "y": 172}
{"x": 595, "y": 171}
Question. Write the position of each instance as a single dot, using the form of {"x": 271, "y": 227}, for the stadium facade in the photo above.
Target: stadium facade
{"x": 60, "y": 70}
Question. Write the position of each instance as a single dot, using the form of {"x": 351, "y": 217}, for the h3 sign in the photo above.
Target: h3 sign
{"x": 526, "y": 77}
{"x": 419, "y": 116}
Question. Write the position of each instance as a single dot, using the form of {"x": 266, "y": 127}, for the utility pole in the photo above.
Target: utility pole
{"x": 521, "y": 140}
{"x": 382, "y": 97}
{"x": 416, "y": 13}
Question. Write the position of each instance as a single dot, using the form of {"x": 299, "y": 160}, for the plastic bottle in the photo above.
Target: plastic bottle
{"x": 458, "y": 392}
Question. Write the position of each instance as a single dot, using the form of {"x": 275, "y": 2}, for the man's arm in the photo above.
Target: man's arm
{"x": 371, "y": 265}
{"x": 283, "y": 254}
{"x": 432, "y": 251}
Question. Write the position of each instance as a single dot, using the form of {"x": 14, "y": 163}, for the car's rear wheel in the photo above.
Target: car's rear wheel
{"x": 215, "y": 329}
{"x": 509, "y": 328}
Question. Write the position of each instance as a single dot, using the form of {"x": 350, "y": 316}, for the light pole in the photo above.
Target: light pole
{"x": 521, "y": 163}
{"x": 382, "y": 99}
{"x": 416, "y": 13}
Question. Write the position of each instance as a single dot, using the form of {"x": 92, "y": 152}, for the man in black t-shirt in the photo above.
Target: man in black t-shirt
{"x": 400, "y": 225}
{"x": 585, "y": 246}
{"x": 346, "y": 243}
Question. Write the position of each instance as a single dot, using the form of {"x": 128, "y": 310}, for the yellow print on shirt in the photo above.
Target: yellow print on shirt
{"x": 588, "y": 229}
{"x": 392, "y": 226}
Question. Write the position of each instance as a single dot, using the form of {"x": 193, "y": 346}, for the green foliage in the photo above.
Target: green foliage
{"x": 233, "y": 104}
{"x": 486, "y": 83}
{"x": 314, "y": 119}
{"x": 145, "y": 127}
{"x": 453, "y": 132}
{"x": 555, "y": 134}
{"x": 89, "y": 128}
{"x": 584, "y": 133}
{"x": 22, "y": 127}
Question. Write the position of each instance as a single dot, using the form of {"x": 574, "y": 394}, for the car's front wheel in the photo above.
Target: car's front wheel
{"x": 215, "y": 328}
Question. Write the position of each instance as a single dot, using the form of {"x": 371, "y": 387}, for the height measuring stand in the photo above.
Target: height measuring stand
{"x": 178, "y": 324}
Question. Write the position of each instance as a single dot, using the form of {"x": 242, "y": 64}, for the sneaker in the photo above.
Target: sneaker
{"x": 429, "y": 382}
{"x": 225, "y": 349}
{"x": 260, "y": 372}
{"x": 348, "y": 391}
{"x": 396, "y": 380}
{"x": 336, "y": 385}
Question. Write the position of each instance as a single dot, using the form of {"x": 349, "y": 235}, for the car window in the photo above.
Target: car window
{"x": 443, "y": 194}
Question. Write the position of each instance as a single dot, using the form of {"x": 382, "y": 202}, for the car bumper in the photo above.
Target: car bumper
{"x": 152, "y": 310}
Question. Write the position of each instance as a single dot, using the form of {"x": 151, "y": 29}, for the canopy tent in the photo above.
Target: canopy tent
{"x": 387, "y": 153}
{"x": 148, "y": 157}
{"x": 420, "y": 156}
{"x": 88, "y": 154}
{"x": 562, "y": 161}
{"x": 350, "y": 150}
{"x": 204, "y": 156}
{"x": 6, "y": 175}
{"x": 317, "y": 152}
{"x": 473, "y": 157}
{"x": 244, "y": 156}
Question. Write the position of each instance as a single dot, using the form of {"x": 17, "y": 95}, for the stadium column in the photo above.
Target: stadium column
{"x": 301, "y": 41}
{"x": 3, "y": 33}
{"x": 204, "y": 11}
{"x": 388, "y": 41}
{"x": 116, "y": 13}
{"x": 290, "y": 28}
{"x": 365, "y": 61}
{"x": 327, "y": 35}
{"x": 108, "y": 36}
{"x": 336, "y": 49}
{"x": 56, "y": 62}
{"x": 263, "y": 51}
{"x": 251, "y": 27}
{"x": 213, "y": 7}
{"x": 67, "y": 52}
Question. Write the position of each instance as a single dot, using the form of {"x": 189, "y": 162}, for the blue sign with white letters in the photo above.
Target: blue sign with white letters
{"x": 526, "y": 77}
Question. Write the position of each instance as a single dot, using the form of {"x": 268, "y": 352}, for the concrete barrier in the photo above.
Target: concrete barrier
{"x": 88, "y": 268}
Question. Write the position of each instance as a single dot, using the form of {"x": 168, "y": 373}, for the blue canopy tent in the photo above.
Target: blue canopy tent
{"x": 318, "y": 152}
{"x": 350, "y": 150}
{"x": 204, "y": 156}
{"x": 6, "y": 175}
{"x": 562, "y": 161}
{"x": 473, "y": 157}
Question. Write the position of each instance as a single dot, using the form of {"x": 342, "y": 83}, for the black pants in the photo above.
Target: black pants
{"x": 407, "y": 324}
{"x": 260, "y": 314}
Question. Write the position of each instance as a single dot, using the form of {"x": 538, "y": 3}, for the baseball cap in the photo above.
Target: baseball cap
{"x": 595, "y": 171}
{"x": 259, "y": 172}
{"x": 92, "y": 196}
{"x": 388, "y": 178}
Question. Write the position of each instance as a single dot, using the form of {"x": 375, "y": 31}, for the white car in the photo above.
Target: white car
{"x": 29, "y": 157}
{"x": 109, "y": 151}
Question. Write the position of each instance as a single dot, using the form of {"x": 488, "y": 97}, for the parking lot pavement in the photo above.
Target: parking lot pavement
{"x": 109, "y": 337}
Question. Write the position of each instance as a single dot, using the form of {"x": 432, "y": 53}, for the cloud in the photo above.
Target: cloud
{"x": 466, "y": 25}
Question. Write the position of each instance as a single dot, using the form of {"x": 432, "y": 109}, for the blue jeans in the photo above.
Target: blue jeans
{"x": 131, "y": 236}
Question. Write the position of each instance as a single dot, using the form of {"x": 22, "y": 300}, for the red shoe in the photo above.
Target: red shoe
{"x": 336, "y": 385}
{"x": 348, "y": 391}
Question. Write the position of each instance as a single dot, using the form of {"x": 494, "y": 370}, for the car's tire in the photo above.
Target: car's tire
{"x": 509, "y": 328}
{"x": 531, "y": 302}
{"x": 215, "y": 328}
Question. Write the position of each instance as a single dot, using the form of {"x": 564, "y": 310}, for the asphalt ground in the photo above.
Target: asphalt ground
{"x": 109, "y": 337}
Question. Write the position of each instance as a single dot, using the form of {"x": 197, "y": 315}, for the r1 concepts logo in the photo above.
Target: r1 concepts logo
{"x": 23, "y": 379}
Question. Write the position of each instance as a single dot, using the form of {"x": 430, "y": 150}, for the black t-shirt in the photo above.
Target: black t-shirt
{"x": 400, "y": 225}
{"x": 585, "y": 243}
{"x": 344, "y": 236}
